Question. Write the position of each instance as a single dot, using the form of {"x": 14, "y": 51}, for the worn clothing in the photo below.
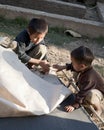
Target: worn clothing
{"x": 24, "y": 46}
{"x": 87, "y": 80}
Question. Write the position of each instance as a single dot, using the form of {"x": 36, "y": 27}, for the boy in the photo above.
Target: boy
{"x": 31, "y": 47}
{"x": 89, "y": 82}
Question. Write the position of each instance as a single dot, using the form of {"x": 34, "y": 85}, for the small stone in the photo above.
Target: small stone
{"x": 72, "y": 33}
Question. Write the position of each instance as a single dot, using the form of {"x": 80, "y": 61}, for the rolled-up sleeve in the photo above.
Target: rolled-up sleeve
{"x": 69, "y": 67}
{"x": 21, "y": 53}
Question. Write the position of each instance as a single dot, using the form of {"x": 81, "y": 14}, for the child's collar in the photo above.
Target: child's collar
{"x": 86, "y": 69}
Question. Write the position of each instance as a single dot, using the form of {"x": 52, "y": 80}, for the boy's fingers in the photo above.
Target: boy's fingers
{"x": 55, "y": 66}
{"x": 69, "y": 108}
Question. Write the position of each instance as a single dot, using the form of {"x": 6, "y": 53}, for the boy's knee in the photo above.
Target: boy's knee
{"x": 42, "y": 51}
{"x": 94, "y": 96}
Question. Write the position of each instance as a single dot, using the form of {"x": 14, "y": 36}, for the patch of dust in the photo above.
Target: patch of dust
{"x": 61, "y": 55}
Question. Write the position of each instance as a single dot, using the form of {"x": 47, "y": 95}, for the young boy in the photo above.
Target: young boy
{"x": 31, "y": 48}
{"x": 89, "y": 82}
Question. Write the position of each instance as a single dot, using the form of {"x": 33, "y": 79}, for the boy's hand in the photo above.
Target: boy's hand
{"x": 58, "y": 67}
{"x": 45, "y": 65}
{"x": 69, "y": 108}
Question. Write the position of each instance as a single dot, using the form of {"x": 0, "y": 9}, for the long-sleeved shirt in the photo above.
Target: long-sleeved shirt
{"x": 87, "y": 80}
{"x": 24, "y": 46}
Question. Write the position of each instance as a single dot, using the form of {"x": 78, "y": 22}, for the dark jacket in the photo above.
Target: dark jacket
{"x": 24, "y": 46}
{"x": 87, "y": 80}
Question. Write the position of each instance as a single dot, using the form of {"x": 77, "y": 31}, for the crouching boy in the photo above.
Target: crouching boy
{"x": 89, "y": 82}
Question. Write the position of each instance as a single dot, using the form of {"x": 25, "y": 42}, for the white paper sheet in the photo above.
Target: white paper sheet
{"x": 24, "y": 93}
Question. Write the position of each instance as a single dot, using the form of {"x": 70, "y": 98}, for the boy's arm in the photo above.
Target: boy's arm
{"x": 20, "y": 50}
{"x": 62, "y": 67}
{"x": 59, "y": 67}
{"x": 23, "y": 40}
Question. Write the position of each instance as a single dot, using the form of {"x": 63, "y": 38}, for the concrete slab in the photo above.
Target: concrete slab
{"x": 57, "y": 120}
{"x": 84, "y": 27}
{"x": 100, "y": 8}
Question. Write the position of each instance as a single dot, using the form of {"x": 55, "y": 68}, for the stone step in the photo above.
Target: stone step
{"x": 84, "y": 27}
{"x": 101, "y": 1}
{"x": 50, "y": 6}
{"x": 100, "y": 8}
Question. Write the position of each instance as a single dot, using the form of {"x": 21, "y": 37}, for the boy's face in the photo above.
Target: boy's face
{"x": 37, "y": 37}
{"x": 78, "y": 66}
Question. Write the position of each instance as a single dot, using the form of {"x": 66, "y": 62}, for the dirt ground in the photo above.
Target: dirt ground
{"x": 61, "y": 55}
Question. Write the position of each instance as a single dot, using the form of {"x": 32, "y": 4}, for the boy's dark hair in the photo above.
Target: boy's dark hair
{"x": 83, "y": 55}
{"x": 37, "y": 26}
